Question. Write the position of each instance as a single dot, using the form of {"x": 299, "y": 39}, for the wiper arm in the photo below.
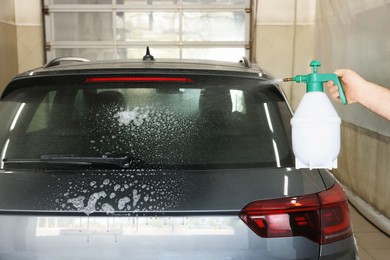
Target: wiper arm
{"x": 123, "y": 162}
{"x": 69, "y": 160}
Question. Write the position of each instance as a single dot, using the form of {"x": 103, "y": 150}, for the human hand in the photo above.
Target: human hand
{"x": 353, "y": 85}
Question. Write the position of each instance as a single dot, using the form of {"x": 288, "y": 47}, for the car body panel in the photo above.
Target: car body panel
{"x": 139, "y": 237}
{"x": 202, "y": 190}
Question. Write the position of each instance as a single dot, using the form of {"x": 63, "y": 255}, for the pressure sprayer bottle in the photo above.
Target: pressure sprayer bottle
{"x": 315, "y": 124}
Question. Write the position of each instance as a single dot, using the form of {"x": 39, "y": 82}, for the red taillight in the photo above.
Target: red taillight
{"x": 335, "y": 220}
{"x": 138, "y": 79}
{"x": 286, "y": 217}
{"x": 322, "y": 217}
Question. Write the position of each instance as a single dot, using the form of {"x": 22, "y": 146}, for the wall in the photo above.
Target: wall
{"x": 355, "y": 34}
{"x": 286, "y": 40}
{"x": 21, "y": 47}
{"x": 29, "y": 34}
{"x": 8, "y": 46}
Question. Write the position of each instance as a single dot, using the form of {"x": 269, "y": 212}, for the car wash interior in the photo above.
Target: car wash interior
{"x": 281, "y": 36}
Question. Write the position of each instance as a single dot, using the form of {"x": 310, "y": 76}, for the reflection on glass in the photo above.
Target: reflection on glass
{"x": 214, "y": 2}
{"x": 90, "y": 53}
{"x": 222, "y": 54}
{"x": 17, "y": 116}
{"x": 82, "y": 26}
{"x": 268, "y": 117}
{"x": 214, "y": 26}
{"x": 135, "y": 225}
{"x": 238, "y": 102}
{"x": 141, "y": 26}
{"x": 72, "y": 2}
{"x": 158, "y": 53}
{"x": 285, "y": 187}
{"x": 276, "y": 151}
{"x": 3, "y": 153}
{"x": 150, "y": 2}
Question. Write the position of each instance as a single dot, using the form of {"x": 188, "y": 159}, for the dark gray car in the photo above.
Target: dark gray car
{"x": 159, "y": 160}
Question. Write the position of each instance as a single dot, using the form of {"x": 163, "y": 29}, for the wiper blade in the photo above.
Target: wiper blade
{"x": 69, "y": 160}
{"x": 123, "y": 162}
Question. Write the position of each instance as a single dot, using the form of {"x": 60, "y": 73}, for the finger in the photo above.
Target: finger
{"x": 330, "y": 83}
{"x": 333, "y": 89}
{"x": 336, "y": 96}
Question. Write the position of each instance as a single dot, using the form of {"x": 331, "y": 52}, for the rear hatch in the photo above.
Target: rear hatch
{"x": 151, "y": 164}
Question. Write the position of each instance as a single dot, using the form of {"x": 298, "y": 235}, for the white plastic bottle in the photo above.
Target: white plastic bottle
{"x": 315, "y": 124}
{"x": 315, "y": 132}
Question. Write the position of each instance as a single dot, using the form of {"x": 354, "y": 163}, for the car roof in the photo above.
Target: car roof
{"x": 66, "y": 66}
{"x": 74, "y": 64}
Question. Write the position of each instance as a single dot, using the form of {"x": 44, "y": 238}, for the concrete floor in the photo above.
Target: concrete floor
{"x": 372, "y": 243}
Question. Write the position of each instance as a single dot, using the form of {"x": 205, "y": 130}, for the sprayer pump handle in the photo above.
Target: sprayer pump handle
{"x": 327, "y": 77}
{"x": 337, "y": 82}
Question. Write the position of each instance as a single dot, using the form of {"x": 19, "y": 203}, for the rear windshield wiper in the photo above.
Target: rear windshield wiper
{"x": 75, "y": 161}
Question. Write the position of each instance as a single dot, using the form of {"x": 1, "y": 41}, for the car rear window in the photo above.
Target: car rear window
{"x": 209, "y": 123}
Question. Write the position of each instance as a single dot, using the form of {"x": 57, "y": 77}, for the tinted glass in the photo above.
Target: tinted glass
{"x": 207, "y": 123}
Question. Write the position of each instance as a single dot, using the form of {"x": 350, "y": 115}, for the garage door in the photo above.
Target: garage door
{"x": 120, "y": 29}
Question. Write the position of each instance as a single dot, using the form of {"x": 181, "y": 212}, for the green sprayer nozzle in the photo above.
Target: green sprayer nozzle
{"x": 314, "y": 81}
